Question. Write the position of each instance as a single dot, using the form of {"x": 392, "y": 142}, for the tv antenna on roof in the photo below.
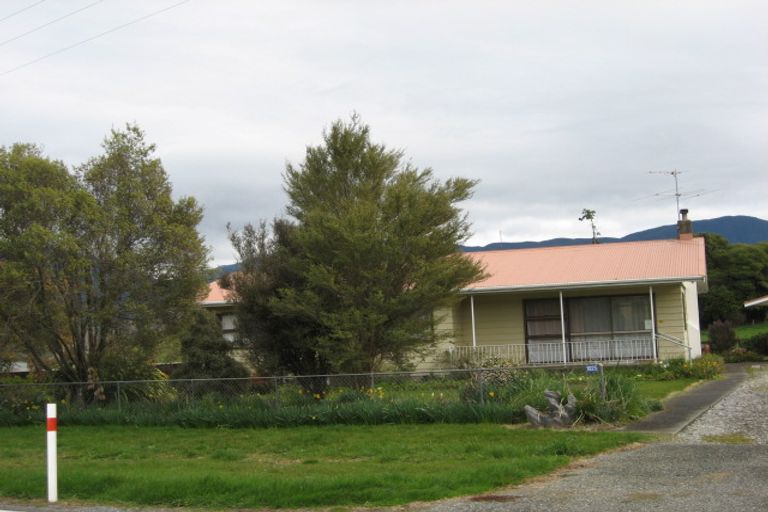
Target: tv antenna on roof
{"x": 677, "y": 195}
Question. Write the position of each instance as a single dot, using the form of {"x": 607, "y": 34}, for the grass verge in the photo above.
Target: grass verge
{"x": 289, "y": 467}
{"x": 660, "y": 389}
{"x": 735, "y": 438}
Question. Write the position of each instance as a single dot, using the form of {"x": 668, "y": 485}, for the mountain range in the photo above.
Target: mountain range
{"x": 738, "y": 229}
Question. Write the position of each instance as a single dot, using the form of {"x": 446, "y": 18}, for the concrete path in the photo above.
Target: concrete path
{"x": 683, "y": 409}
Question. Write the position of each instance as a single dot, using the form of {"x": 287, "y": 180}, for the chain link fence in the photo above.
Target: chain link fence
{"x": 278, "y": 391}
{"x": 441, "y": 395}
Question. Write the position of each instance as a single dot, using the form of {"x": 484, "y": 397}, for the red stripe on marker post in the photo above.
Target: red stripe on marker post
{"x": 53, "y": 482}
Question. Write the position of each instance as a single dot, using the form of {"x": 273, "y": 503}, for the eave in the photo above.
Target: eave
{"x": 584, "y": 285}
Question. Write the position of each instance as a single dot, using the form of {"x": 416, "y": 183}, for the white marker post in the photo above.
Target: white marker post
{"x": 53, "y": 482}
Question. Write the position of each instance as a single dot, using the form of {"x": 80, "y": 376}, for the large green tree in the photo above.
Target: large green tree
{"x": 736, "y": 273}
{"x": 204, "y": 351}
{"x": 97, "y": 265}
{"x": 352, "y": 279}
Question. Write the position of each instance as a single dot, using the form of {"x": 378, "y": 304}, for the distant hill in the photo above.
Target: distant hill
{"x": 226, "y": 269}
{"x": 738, "y": 229}
{"x": 223, "y": 270}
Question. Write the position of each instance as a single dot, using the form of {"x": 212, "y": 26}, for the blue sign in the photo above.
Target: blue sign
{"x": 592, "y": 368}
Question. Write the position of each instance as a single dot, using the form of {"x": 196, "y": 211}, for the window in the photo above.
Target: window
{"x": 542, "y": 319}
{"x": 544, "y": 331}
{"x": 590, "y": 316}
{"x": 630, "y": 314}
{"x": 609, "y": 316}
{"x": 613, "y": 327}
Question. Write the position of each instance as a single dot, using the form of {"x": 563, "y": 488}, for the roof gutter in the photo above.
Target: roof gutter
{"x": 217, "y": 303}
{"x": 586, "y": 284}
{"x": 760, "y": 301}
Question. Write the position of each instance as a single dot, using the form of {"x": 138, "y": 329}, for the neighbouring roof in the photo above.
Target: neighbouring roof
{"x": 217, "y": 295}
{"x": 759, "y": 301}
{"x": 582, "y": 266}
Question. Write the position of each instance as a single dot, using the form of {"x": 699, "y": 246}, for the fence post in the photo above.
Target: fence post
{"x": 119, "y": 399}
{"x": 277, "y": 391}
{"x": 482, "y": 387}
{"x": 603, "y": 390}
{"x": 51, "y": 427}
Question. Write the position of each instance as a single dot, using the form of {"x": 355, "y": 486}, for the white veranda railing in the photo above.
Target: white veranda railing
{"x": 636, "y": 349}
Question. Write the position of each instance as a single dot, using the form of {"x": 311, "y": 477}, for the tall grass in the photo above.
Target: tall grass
{"x": 622, "y": 401}
{"x": 238, "y": 414}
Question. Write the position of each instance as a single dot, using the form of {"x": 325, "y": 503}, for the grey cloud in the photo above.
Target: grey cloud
{"x": 553, "y": 107}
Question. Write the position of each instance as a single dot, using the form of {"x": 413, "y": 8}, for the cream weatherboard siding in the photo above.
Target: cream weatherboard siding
{"x": 670, "y": 319}
{"x": 445, "y": 325}
{"x": 498, "y": 320}
{"x": 691, "y": 309}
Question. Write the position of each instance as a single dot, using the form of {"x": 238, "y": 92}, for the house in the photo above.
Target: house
{"x": 218, "y": 302}
{"x": 603, "y": 302}
{"x": 629, "y": 301}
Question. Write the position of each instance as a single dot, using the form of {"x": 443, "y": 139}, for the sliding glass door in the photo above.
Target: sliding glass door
{"x": 597, "y": 328}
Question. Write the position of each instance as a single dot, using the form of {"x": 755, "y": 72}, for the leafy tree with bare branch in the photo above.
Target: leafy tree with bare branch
{"x": 99, "y": 265}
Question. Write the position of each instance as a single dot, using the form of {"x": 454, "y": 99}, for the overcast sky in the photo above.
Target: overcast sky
{"x": 553, "y": 106}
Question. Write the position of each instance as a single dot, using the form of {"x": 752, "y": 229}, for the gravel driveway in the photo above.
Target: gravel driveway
{"x": 743, "y": 413}
{"x": 684, "y": 473}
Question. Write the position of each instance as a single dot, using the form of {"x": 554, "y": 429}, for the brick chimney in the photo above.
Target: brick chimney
{"x": 684, "y": 226}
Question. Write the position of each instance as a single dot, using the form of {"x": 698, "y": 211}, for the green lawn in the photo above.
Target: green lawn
{"x": 743, "y": 331}
{"x": 659, "y": 389}
{"x": 290, "y": 467}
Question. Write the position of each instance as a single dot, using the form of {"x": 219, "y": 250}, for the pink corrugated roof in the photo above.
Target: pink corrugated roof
{"x": 611, "y": 263}
{"x": 216, "y": 294}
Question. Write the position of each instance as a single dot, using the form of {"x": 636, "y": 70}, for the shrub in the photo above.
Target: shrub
{"x": 622, "y": 400}
{"x": 722, "y": 337}
{"x": 349, "y": 395}
{"x": 21, "y": 401}
{"x": 757, "y": 343}
{"x": 708, "y": 366}
{"x": 513, "y": 387}
{"x": 205, "y": 352}
{"x": 293, "y": 394}
{"x": 740, "y": 354}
